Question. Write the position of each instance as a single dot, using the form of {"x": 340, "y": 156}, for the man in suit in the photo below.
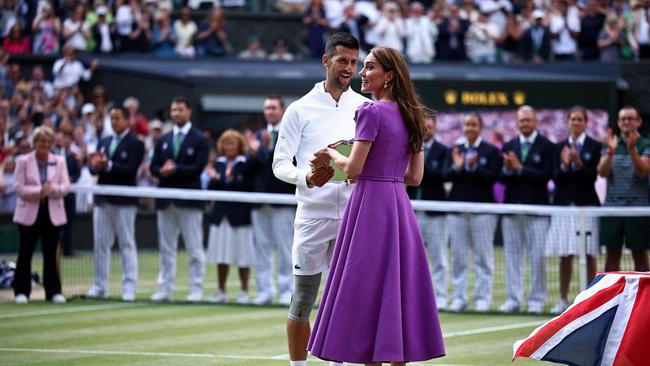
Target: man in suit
{"x": 451, "y": 36}
{"x": 272, "y": 224}
{"x": 178, "y": 160}
{"x": 535, "y": 45}
{"x": 527, "y": 168}
{"x": 116, "y": 163}
{"x": 433, "y": 224}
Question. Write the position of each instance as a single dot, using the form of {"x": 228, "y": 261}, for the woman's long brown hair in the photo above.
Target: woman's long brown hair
{"x": 402, "y": 91}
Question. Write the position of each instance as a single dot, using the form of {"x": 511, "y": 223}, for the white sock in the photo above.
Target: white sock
{"x": 298, "y": 363}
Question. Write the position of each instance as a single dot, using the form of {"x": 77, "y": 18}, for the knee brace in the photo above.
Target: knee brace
{"x": 304, "y": 297}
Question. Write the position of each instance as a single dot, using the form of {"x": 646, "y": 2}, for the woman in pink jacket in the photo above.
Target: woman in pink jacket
{"x": 41, "y": 181}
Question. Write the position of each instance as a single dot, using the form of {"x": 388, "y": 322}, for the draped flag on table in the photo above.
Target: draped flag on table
{"x": 607, "y": 325}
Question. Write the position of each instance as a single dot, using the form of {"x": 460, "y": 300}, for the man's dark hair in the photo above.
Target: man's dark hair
{"x": 181, "y": 99}
{"x": 125, "y": 112}
{"x": 278, "y": 98}
{"x": 344, "y": 39}
{"x": 629, "y": 106}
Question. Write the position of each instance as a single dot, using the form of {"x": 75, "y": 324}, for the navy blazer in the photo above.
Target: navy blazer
{"x": 261, "y": 170}
{"x": 575, "y": 185}
{"x": 124, "y": 167}
{"x": 476, "y": 185}
{"x": 192, "y": 158}
{"x": 435, "y": 174}
{"x": 238, "y": 213}
{"x": 526, "y": 49}
{"x": 530, "y": 185}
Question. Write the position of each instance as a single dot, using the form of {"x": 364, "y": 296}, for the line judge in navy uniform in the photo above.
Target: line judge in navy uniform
{"x": 178, "y": 161}
{"x": 527, "y": 168}
{"x": 433, "y": 225}
{"x": 272, "y": 224}
{"x": 116, "y": 163}
{"x": 575, "y": 168}
{"x": 474, "y": 168}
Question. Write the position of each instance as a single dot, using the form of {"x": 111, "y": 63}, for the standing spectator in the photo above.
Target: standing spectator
{"x": 75, "y": 29}
{"x": 178, "y": 160}
{"x": 88, "y": 122}
{"x": 15, "y": 82}
{"x": 527, "y": 168}
{"x": 421, "y": 35}
{"x": 451, "y": 38}
{"x": 316, "y": 22}
{"x": 47, "y": 30}
{"x": 127, "y": 16}
{"x": 41, "y": 182}
{"x": 231, "y": 239}
{"x": 62, "y": 142}
{"x": 281, "y": 51}
{"x": 140, "y": 38}
{"x": 390, "y": 27}
{"x": 565, "y": 29}
{"x": 117, "y": 162}
{"x": 8, "y": 190}
{"x": 185, "y": 30}
{"x": 611, "y": 40}
{"x": 625, "y": 164}
{"x": 16, "y": 42}
{"x": 104, "y": 33}
{"x": 575, "y": 164}
{"x": 8, "y": 17}
{"x": 138, "y": 122}
{"x": 481, "y": 39}
{"x": 163, "y": 38}
{"x": 272, "y": 224}
{"x": 474, "y": 169}
{"x": 68, "y": 70}
{"x": 535, "y": 45}
{"x": 511, "y": 39}
{"x": 211, "y": 39}
{"x": 433, "y": 225}
{"x": 640, "y": 28}
{"x": 590, "y": 26}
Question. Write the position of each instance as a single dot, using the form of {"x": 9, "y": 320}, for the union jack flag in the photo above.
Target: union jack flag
{"x": 607, "y": 325}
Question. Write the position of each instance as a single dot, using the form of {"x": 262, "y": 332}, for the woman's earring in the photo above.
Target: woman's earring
{"x": 385, "y": 85}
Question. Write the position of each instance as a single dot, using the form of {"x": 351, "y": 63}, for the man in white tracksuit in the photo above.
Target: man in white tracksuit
{"x": 323, "y": 116}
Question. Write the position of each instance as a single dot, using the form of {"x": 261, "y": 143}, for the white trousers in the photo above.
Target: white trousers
{"x": 189, "y": 222}
{"x": 436, "y": 238}
{"x": 273, "y": 231}
{"x": 472, "y": 233}
{"x": 525, "y": 234}
{"x": 110, "y": 221}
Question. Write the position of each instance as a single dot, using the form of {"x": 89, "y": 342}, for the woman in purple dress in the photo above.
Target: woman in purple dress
{"x": 378, "y": 305}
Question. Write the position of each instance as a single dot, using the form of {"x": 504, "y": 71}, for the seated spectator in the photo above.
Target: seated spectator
{"x": 480, "y": 40}
{"x": 38, "y": 81}
{"x": 316, "y": 21}
{"x": 104, "y": 33}
{"x": 15, "y": 81}
{"x": 16, "y": 42}
{"x": 163, "y": 39}
{"x": 47, "y": 30}
{"x": 610, "y": 40}
{"x": 565, "y": 30}
{"x": 185, "y": 30}
{"x": 68, "y": 70}
{"x": 254, "y": 51}
{"x": 76, "y": 30}
{"x": 421, "y": 35}
{"x": 535, "y": 45}
{"x": 281, "y": 51}
{"x": 451, "y": 36}
{"x": 140, "y": 38}
{"x": 211, "y": 39}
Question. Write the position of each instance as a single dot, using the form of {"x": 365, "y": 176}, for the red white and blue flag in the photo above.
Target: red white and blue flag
{"x": 607, "y": 325}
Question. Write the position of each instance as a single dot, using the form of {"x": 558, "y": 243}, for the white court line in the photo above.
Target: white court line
{"x": 496, "y": 328}
{"x": 66, "y": 310}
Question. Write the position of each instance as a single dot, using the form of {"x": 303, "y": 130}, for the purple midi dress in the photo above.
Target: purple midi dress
{"x": 378, "y": 303}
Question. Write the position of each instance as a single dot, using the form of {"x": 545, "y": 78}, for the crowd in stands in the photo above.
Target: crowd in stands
{"x": 481, "y": 31}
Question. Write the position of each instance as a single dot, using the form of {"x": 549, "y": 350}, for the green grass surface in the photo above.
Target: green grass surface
{"x": 85, "y": 332}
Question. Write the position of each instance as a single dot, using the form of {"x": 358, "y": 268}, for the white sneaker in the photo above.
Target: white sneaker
{"x": 481, "y": 307}
{"x": 457, "y": 306}
{"x": 559, "y": 307}
{"x": 243, "y": 298}
{"x": 219, "y": 297}
{"x": 285, "y": 298}
{"x": 128, "y": 297}
{"x": 94, "y": 293}
{"x": 535, "y": 309}
{"x": 21, "y": 299}
{"x": 195, "y": 296}
{"x": 58, "y": 299}
{"x": 161, "y": 296}
{"x": 509, "y": 307}
{"x": 263, "y": 299}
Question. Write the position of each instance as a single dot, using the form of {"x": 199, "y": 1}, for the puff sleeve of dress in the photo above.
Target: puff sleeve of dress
{"x": 367, "y": 122}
